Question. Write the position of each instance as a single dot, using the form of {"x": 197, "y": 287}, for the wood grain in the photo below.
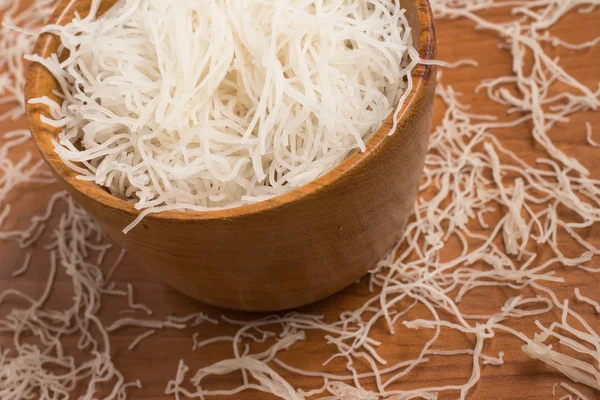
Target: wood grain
{"x": 155, "y": 360}
{"x": 285, "y": 252}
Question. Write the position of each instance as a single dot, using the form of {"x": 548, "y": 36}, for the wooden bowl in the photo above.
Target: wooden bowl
{"x": 292, "y": 250}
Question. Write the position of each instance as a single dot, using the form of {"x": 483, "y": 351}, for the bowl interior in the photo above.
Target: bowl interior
{"x": 41, "y": 83}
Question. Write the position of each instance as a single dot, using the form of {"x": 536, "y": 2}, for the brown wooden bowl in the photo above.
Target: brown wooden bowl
{"x": 292, "y": 250}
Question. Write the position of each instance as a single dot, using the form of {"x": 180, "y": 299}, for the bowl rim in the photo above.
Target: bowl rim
{"x": 42, "y": 133}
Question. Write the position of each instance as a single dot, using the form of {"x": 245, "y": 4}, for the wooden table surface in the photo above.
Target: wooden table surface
{"x": 155, "y": 360}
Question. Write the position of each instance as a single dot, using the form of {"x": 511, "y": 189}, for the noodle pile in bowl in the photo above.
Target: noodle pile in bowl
{"x": 204, "y": 105}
